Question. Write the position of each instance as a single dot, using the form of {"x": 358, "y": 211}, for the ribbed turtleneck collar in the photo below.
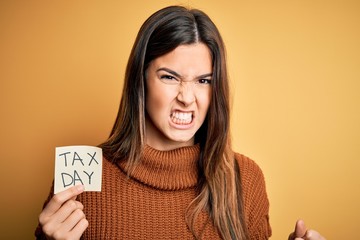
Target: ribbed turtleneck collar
{"x": 167, "y": 170}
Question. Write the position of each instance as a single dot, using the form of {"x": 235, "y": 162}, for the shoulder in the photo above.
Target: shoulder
{"x": 250, "y": 171}
{"x": 110, "y": 169}
{"x": 252, "y": 178}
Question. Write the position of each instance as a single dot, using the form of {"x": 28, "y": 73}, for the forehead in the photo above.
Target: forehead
{"x": 187, "y": 60}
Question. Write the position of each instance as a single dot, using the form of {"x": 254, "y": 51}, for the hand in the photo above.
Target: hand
{"x": 63, "y": 218}
{"x": 302, "y": 233}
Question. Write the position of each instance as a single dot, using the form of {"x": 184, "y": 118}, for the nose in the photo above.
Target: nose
{"x": 186, "y": 94}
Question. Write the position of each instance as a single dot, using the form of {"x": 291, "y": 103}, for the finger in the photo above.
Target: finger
{"x": 54, "y": 225}
{"x": 75, "y": 233}
{"x": 313, "y": 235}
{"x": 66, "y": 210}
{"x": 300, "y": 229}
{"x": 73, "y": 219}
{"x": 292, "y": 237}
{"x": 58, "y": 200}
{"x": 80, "y": 228}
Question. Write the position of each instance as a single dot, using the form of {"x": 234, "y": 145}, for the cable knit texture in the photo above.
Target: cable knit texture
{"x": 151, "y": 202}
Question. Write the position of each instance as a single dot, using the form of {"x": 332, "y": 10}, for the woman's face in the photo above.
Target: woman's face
{"x": 178, "y": 94}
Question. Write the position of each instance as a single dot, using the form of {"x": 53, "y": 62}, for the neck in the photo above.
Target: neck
{"x": 167, "y": 170}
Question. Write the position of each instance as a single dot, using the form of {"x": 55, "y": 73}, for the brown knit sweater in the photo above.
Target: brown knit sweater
{"x": 151, "y": 203}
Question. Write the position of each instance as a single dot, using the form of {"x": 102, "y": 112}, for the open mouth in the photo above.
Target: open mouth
{"x": 181, "y": 118}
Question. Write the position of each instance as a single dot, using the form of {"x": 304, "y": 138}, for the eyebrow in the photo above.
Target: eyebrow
{"x": 179, "y": 76}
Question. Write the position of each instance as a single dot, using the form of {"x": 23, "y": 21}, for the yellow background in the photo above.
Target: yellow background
{"x": 295, "y": 76}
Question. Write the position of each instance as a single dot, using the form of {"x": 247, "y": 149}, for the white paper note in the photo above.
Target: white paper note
{"x": 76, "y": 165}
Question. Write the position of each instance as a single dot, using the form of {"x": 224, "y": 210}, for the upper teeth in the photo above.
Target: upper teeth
{"x": 182, "y": 115}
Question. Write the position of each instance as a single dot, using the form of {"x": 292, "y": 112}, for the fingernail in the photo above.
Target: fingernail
{"x": 80, "y": 188}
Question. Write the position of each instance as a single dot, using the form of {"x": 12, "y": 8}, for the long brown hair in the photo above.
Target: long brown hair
{"x": 219, "y": 185}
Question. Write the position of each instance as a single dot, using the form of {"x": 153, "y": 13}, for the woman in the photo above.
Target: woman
{"x": 169, "y": 171}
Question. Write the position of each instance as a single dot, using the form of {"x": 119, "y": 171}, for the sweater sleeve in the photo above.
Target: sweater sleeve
{"x": 256, "y": 203}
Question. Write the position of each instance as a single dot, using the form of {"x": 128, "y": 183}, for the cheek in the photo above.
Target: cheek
{"x": 204, "y": 99}
{"x": 158, "y": 99}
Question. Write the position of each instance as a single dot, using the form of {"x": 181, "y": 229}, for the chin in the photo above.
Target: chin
{"x": 184, "y": 140}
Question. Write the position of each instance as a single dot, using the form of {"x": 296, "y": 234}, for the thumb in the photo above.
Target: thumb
{"x": 300, "y": 229}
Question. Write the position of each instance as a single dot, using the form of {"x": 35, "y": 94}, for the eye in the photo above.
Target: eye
{"x": 204, "y": 81}
{"x": 167, "y": 77}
